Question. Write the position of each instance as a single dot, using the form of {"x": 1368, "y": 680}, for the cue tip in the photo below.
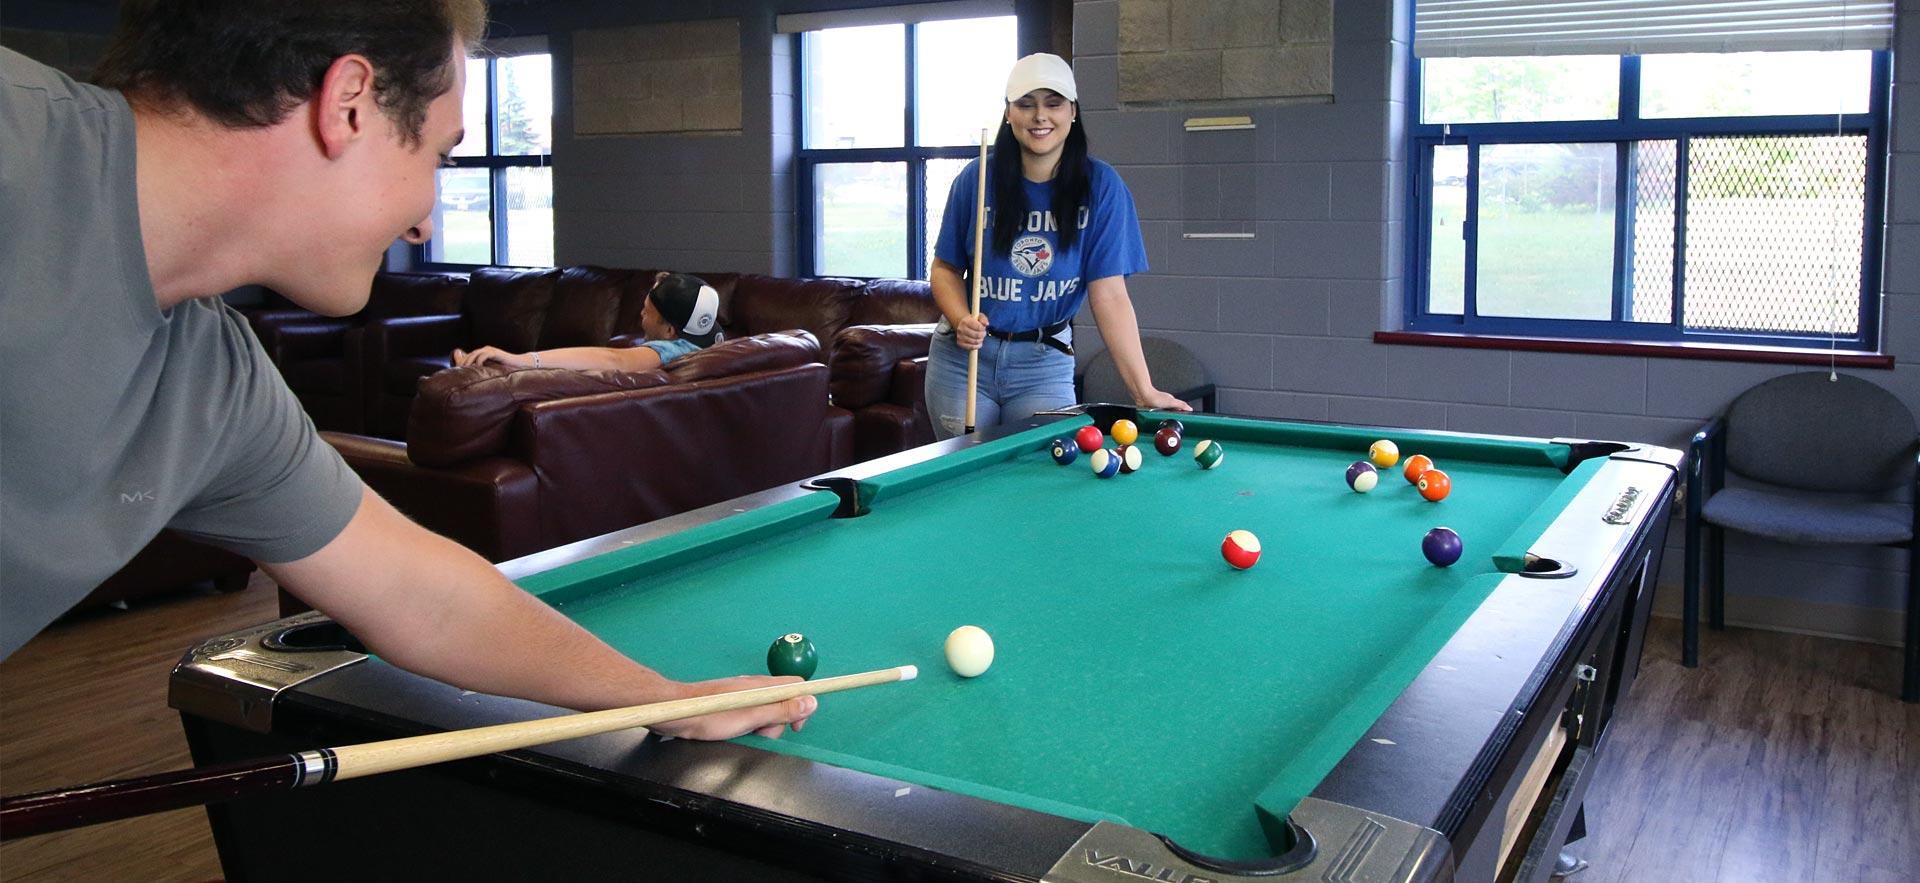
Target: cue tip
{"x": 909, "y": 672}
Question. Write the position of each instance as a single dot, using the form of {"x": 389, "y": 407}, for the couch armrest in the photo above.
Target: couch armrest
{"x": 287, "y": 342}
{"x": 909, "y": 387}
{"x": 863, "y": 357}
{"x": 489, "y": 505}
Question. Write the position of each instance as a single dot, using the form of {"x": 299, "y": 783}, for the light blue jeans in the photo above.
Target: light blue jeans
{"x": 1017, "y": 380}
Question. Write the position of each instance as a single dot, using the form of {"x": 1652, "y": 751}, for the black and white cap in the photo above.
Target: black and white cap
{"x": 690, "y": 305}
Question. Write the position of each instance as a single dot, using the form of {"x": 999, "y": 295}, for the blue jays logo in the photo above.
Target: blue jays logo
{"x": 1032, "y": 255}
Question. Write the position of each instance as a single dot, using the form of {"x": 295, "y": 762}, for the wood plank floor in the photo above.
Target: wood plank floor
{"x": 1783, "y": 758}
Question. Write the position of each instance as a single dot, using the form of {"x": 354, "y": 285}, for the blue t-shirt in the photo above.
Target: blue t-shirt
{"x": 1036, "y": 284}
{"x": 671, "y": 349}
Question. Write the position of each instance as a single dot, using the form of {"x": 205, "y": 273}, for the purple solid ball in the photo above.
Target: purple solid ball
{"x": 1441, "y": 546}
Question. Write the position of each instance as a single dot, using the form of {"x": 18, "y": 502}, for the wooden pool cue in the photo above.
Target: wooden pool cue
{"x": 47, "y": 811}
{"x": 979, "y": 245}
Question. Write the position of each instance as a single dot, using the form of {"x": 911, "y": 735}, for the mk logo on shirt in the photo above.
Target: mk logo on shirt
{"x": 138, "y": 497}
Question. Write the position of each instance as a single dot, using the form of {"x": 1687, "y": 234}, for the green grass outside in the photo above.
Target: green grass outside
{"x": 466, "y": 237}
{"x": 1550, "y": 263}
{"x": 862, "y": 240}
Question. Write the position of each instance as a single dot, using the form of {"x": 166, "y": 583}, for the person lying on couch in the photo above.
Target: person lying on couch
{"x": 682, "y": 315}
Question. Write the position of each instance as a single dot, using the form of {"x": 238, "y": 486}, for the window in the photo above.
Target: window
{"x": 1654, "y": 193}
{"x": 890, "y": 113}
{"x": 496, "y": 193}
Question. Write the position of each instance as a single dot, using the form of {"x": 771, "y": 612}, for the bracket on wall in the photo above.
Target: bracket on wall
{"x": 1219, "y": 124}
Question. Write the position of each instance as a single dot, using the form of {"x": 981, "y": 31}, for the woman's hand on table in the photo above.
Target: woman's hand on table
{"x": 1162, "y": 401}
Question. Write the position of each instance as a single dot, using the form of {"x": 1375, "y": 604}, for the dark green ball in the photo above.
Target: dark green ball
{"x": 792, "y": 655}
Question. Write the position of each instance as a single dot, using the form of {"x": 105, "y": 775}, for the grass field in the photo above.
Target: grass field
{"x": 465, "y": 237}
{"x": 1751, "y": 265}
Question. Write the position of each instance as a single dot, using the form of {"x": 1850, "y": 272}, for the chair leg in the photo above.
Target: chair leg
{"x": 1910, "y": 681}
{"x": 1690, "y": 600}
{"x": 1717, "y": 587}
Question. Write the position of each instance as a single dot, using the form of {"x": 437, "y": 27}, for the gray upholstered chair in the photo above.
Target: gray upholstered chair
{"x": 1174, "y": 369}
{"x": 1825, "y": 460}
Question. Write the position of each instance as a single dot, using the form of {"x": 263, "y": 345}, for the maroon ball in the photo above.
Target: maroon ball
{"x": 1167, "y": 441}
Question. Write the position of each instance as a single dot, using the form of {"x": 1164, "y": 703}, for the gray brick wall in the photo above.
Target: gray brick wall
{"x": 1284, "y": 322}
{"x": 712, "y": 195}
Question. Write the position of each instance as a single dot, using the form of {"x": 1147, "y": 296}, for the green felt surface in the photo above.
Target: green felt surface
{"x": 1138, "y": 677}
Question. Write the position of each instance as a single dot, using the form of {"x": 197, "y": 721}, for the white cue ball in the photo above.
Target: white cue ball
{"x": 969, "y": 651}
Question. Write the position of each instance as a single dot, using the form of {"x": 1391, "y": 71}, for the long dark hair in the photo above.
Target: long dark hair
{"x": 1070, "y": 186}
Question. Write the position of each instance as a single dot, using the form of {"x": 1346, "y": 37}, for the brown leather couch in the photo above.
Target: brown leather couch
{"x": 514, "y": 309}
{"x": 510, "y": 462}
{"x": 520, "y": 310}
{"x": 322, "y": 358}
{"x": 168, "y": 564}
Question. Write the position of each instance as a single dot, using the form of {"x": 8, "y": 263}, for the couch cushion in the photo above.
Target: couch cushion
{"x": 894, "y": 302}
{"x": 759, "y": 352}
{"x": 768, "y": 303}
{"x": 324, "y": 376}
{"x": 585, "y": 302}
{"x": 402, "y": 376}
{"x": 413, "y": 294}
{"x": 464, "y": 413}
{"x": 505, "y": 308}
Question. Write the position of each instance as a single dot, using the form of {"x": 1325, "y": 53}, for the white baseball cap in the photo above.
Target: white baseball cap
{"x": 1041, "y": 70}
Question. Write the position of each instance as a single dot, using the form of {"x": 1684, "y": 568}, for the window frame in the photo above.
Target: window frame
{"x": 496, "y": 166}
{"x": 806, "y": 160}
{"x": 1626, "y": 127}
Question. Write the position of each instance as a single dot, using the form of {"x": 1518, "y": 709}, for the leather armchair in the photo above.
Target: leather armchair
{"x": 879, "y": 374}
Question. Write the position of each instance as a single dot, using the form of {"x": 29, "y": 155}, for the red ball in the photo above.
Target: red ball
{"x": 1241, "y": 549}
{"x": 1089, "y": 439}
{"x": 1435, "y": 485}
{"x": 1167, "y": 441}
{"x": 1417, "y": 465}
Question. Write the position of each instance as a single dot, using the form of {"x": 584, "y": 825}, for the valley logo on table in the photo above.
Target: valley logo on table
{"x": 1142, "y": 868}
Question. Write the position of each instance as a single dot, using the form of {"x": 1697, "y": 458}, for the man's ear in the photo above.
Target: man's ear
{"x": 345, "y": 104}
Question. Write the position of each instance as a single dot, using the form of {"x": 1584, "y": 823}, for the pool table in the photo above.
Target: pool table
{"x": 1343, "y": 710}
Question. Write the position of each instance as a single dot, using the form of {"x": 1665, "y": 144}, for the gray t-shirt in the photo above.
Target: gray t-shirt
{"x": 117, "y": 419}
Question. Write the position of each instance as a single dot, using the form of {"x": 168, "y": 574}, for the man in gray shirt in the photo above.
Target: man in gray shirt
{"x": 284, "y": 144}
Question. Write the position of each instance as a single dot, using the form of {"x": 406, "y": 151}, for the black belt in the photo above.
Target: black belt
{"x": 1048, "y": 335}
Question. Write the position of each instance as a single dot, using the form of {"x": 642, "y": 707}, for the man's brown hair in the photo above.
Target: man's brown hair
{"x": 247, "y": 63}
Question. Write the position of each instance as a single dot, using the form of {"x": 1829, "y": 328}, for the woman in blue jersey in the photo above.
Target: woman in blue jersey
{"x": 1061, "y": 230}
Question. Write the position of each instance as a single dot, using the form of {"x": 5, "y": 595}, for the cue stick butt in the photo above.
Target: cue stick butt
{"x": 44, "y": 812}
{"x": 48, "y": 811}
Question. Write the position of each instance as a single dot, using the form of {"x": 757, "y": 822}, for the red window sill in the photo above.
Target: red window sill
{"x": 1718, "y": 352}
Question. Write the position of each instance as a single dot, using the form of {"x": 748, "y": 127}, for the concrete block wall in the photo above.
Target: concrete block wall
{"x": 1241, "y": 49}
{"x": 1284, "y": 321}
{"x": 674, "y": 77}
{"x": 707, "y": 195}
{"x": 699, "y": 200}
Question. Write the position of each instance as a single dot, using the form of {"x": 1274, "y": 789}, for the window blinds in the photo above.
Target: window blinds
{"x": 1642, "y": 27}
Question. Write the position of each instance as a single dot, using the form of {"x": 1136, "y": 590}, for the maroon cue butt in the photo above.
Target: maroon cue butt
{"x": 58, "y": 810}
